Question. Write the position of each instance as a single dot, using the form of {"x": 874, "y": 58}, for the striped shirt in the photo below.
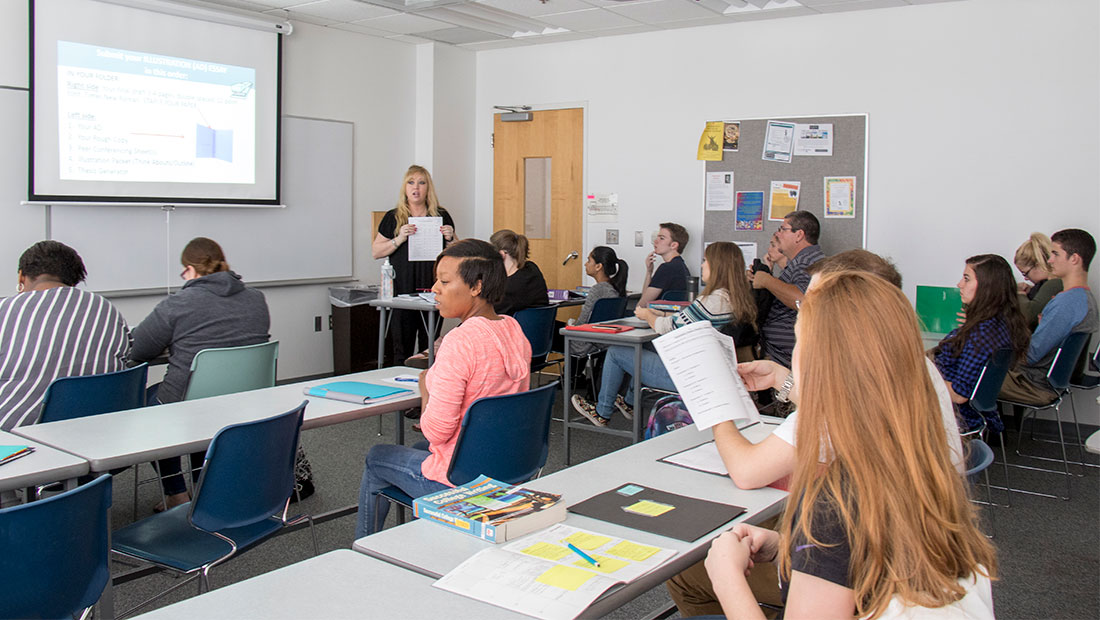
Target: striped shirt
{"x": 715, "y": 308}
{"x": 778, "y": 327}
{"x": 52, "y": 333}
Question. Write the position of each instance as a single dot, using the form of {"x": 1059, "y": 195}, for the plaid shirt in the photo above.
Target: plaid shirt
{"x": 962, "y": 370}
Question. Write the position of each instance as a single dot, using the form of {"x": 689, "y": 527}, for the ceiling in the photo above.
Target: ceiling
{"x": 490, "y": 24}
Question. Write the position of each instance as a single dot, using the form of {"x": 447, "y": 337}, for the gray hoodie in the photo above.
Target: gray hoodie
{"x": 212, "y": 311}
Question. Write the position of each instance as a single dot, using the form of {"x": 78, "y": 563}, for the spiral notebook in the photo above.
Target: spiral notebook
{"x": 355, "y": 391}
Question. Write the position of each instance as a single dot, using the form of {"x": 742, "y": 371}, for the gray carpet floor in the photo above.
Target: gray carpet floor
{"x": 1049, "y": 549}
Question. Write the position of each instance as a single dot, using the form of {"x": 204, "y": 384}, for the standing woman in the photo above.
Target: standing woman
{"x": 1031, "y": 260}
{"x": 878, "y": 522}
{"x": 993, "y": 321}
{"x": 526, "y": 287}
{"x": 214, "y": 309}
{"x": 417, "y": 199}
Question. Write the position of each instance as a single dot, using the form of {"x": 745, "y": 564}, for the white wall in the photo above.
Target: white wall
{"x": 983, "y": 118}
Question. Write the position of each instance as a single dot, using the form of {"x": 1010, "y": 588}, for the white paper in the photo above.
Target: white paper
{"x": 700, "y": 458}
{"x": 427, "y": 243}
{"x": 748, "y": 250}
{"x": 778, "y": 141}
{"x": 814, "y": 140}
{"x": 719, "y": 191}
{"x": 703, "y": 365}
{"x": 507, "y": 577}
{"x": 602, "y": 207}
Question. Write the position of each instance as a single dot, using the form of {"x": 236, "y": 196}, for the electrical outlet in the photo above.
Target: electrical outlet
{"x": 612, "y": 236}
{"x": 330, "y": 322}
{"x": 316, "y": 323}
{"x": 639, "y": 238}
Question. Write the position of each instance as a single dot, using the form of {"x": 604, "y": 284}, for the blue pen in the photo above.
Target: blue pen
{"x": 406, "y": 379}
{"x": 587, "y": 558}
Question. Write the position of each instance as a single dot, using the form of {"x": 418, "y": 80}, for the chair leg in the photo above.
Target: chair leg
{"x": 1080, "y": 443}
{"x": 1062, "y": 441}
{"x": 989, "y": 500}
{"x": 1004, "y": 462}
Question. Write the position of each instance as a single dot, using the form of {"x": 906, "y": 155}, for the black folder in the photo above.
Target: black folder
{"x": 689, "y": 519}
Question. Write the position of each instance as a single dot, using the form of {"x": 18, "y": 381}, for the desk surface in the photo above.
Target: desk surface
{"x": 45, "y": 465}
{"x": 338, "y": 584}
{"x": 640, "y": 334}
{"x": 434, "y": 550}
{"x": 124, "y": 438}
{"x": 405, "y": 302}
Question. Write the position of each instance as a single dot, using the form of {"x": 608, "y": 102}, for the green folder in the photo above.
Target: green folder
{"x": 938, "y": 308}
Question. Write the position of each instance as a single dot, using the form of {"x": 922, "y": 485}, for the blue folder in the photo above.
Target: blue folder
{"x": 355, "y": 391}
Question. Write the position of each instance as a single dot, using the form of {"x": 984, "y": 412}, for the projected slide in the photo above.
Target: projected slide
{"x": 140, "y": 117}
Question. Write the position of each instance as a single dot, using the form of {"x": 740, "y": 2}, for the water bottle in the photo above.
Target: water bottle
{"x": 387, "y": 280}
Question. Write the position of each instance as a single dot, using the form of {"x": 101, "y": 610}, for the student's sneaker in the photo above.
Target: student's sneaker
{"x": 625, "y": 409}
{"x": 588, "y": 410}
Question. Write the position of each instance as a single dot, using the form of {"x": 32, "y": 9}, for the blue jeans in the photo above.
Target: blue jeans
{"x": 618, "y": 364}
{"x": 387, "y": 465}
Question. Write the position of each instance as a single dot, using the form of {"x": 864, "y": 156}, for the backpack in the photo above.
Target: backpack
{"x": 668, "y": 414}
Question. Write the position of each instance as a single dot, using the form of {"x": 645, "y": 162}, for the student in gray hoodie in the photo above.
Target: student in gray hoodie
{"x": 213, "y": 309}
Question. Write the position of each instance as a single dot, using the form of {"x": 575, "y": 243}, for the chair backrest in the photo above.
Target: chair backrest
{"x": 76, "y": 397}
{"x": 608, "y": 309}
{"x": 674, "y": 296}
{"x": 504, "y": 437}
{"x": 229, "y": 370}
{"x": 248, "y": 475}
{"x": 984, "y": 396}
{"x": 1065, "y": 360}
{"x": 538, "y": 326}
{"x": 55, "y": 551}
{"x": 979, "y": 456}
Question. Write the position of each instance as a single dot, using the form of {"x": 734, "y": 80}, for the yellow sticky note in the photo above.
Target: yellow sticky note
{"x": 547, "y": 551}
{"x": 565, "y": 577}
{"x": 607, "y": 565}
{"x": 632, "y": 551}
{"x": 649, "y": 508}
{"x": 587, "y": 541}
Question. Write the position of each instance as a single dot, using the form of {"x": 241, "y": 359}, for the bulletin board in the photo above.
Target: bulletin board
{"x": 751, "y": 172}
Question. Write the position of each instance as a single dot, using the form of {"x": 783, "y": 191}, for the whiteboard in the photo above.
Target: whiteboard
{"x": 128, "y": 248}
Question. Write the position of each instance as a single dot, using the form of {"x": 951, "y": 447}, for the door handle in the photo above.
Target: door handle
{"x": 570, "y": 257}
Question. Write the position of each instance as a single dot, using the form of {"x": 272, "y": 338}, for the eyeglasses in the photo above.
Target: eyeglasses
{"x": 1024, "y": 272}
{"x": 183, "y": 274}
{"x": 785, "y": 229}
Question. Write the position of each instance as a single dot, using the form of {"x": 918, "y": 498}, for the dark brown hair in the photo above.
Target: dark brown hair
{"x": 678, "y": 233}
{"x": 53, "y": 258}
{"x": 1076, "y": 241}
{"x": 205, "y": 255}
{"x": 513, "y": 244}
{"x": 481, "y": 262}
{"x": 994, "y": 297}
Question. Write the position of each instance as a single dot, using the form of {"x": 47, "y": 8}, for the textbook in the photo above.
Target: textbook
{"x": 491, "y": 510}
{"x": 554, "y": 573}
{"x": 11, "y": 453}
{"x": 600, "y": 328}
{"x": 355, "y": 391}
{"x": 703, "y": 365}
{"x": 669, "y": 306}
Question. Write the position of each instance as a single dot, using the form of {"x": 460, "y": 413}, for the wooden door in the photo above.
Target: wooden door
{"x": 554, "y": 138}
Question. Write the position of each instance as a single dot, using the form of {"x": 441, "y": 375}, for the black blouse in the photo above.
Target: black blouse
{"x": 409, "y": 276}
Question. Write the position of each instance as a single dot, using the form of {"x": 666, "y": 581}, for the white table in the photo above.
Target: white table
{"x": 113, "y": 440}
{"x": 405, "y": 302}
{"x": 338, "y": 584}
{"x": 433, "y": 550}
{"x": 44, "y": 466}
{"x": 636, "y": 338}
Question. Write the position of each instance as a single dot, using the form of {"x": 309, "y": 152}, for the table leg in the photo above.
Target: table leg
{"x": 431, "y": 337}
{"x": 567, "y": 395}
{"x": 383, "y": 315}
{"x": 399, "y": 428}
{"x": 105, "y": 607}
{"x": 638, "y": 411}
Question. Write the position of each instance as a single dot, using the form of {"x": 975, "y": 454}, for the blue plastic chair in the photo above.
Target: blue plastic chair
{"x": 504, "y": 437}
{"x": 228, "y": 370}
{"x": 242, "y": 497}
{"x": 1085, "y": 382}
{"x": 983, "y": 398}
{"x": 538, "y": 327}
{"x": 54, "y": 552}
{"x": 674, "y": 296}
{"x": 76, "y": 397}
{"x": 1058, "y": 376}
{"x": 606, "y": 309}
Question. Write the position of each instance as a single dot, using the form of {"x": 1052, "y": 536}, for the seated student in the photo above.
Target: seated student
{"x": 1071, "y": 311}
{"x": 878, "y": 522}
{"x": 610, "y": 272}
{"x": 772, "y": 262}
{"x": 526, "y": 287}
{"x": 752, "y": 466}
{"x": 993, "y": 321}
{"x": 51, "y": 329}
{"x": 1031, "y": 259}
{"x": 213, "y": 309}
{"x": 486, "y": 355}
{"x": 726, "y": 299}
{"x": 672, "y": 274}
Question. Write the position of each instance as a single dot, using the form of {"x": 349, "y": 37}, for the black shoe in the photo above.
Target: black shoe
{"x": 413, "y": 414}
{"x": 305, "y": 489}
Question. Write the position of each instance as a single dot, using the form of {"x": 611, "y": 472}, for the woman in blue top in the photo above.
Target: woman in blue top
{"x": 993, "y": 321}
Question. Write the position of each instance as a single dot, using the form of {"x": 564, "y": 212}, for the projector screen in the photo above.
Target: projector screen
{"x": 134, "y": 105}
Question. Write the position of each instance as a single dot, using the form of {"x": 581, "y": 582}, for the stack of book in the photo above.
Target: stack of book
{"x": 491, "y": 510}
{"x": 11, "y": 453}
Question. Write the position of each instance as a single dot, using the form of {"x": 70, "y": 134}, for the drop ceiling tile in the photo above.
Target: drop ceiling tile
{"x": 374, "y": 32}
{"x": 298, "y": 17}
{"x": 614, "y": 32}
{"x": 692, "y": 23}
{"x": 257, "y": 6}
{"x": 403, "y": 23}
{"x": 493, "y": 45}
{"x": 588, "y": 20}
{"x": 860, "y": 5}
{"x": 535, "y": 8}
{"x": 404, "y": 38}
{"x": 793, "y": 11}
{"x": 459, "y": 35}
{"x": 557, "y": 38}
{"x": 661, "y": 11}
{"x": 271, "y": 4}
{"x": 342, "y": 10}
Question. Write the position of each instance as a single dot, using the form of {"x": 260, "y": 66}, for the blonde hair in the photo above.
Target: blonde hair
{"x": 1035, "y": 252}
{"x": 869, "y": 406}
{"x": 205, "y": 255}
{"x": 513, "y": 244}
{"x": 432, "y": 202}
{"x": 727, "y": 272}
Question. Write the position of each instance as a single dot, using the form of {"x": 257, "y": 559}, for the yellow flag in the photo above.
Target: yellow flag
{"x": 710, "y": 143}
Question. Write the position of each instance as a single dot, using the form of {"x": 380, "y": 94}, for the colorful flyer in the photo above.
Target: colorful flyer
{"x": 840, "y": 197}
{"x": 779, "y": 141}
{"x": 750, "y": 211}
{"x": 731, "y": 136}
{"x": 710, "y": 143}
{"x": 784, "y": 199}
{"x": 814, "y": 140}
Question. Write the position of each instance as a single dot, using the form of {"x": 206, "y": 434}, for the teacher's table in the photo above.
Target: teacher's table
{"x": 429, "y": 312}
{"x": 637, "y": 338}
{"x": 434, "y": 550}
{"x": 337, "y": 584}
{"x": 43, "y": 466}
{"x": 113, "y": 440}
